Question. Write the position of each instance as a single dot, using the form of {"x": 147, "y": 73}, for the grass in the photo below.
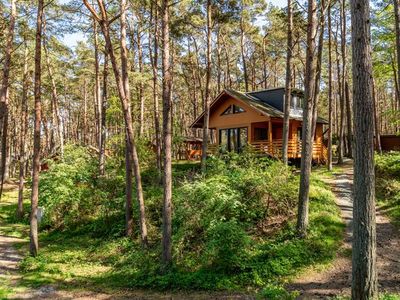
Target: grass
{"x": 80, "y": 260}
{"x": 388, "y": 185}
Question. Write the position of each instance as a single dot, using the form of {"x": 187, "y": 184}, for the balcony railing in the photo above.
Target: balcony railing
{"x": 274, "y": 149}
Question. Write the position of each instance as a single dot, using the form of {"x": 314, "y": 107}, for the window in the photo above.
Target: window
{"x": 260, "y": 134}
{"x": 237, "y": 109}
{"x": 233, "y": 139}
{"x": 297, "y": 102}
{"x": 233, "y": 109}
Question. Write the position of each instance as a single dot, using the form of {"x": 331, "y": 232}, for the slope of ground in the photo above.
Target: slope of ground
{"x": 336, "y": 280}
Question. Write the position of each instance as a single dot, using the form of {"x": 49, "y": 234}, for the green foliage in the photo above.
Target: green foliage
{"x": 276, "y": 292}
{"x": 388, "y": 164}
{"x": 72, "y": 194}
{"x": 388, "y": 184}
{"x": 222, "y": 227}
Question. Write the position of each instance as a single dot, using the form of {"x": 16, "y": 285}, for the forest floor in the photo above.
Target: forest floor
{"x": 317, "y": 283}
{"x": 13, "y": 244}
{"x": 335, "y": 280}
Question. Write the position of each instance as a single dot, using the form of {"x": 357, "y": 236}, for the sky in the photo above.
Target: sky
{"x": 73, "y": 38}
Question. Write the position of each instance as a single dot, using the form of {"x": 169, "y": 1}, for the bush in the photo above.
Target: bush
{"x": 388, "y": 184}
{"x": 388, "y": 164}
{"x": 72, "y": 194}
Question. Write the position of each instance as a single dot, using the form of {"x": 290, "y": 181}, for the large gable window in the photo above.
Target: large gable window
{"x": 233, "y": 109}
{"x": 233, "y": 139}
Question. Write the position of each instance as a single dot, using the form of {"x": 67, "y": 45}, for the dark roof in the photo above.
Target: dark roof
{"x": 258, "y": 101}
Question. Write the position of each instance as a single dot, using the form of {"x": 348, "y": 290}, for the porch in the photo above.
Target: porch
{"x": 274, "y": 149}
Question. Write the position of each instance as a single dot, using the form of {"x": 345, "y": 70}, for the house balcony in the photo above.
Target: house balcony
{"x": 274, "y": 149}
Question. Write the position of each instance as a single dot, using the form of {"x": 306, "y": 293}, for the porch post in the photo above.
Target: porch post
{"x": 271, "y": 149}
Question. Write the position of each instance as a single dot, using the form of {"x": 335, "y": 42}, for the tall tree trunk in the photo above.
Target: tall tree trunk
{"x": 396, "y": 5}
{"x": 376, "y": 119}
{"x": 242, "y": 50}
{"x": 102, "y": 113}
{"x": 341, "y": 85}
{"x": 56, "y": 120}
{"x": 349, "y": 122}
{"x": 84, "y": 129}
{"x": 330, "y": 97}
{"x": 140, "y": 84}
{"x": 307, "y": 141}
{"x": 364, "y": 283}
{"x": 23, "y": 134}
{"x": 154, "y": 65}
{"x": 288, "y": 91}
{"x": 98, "y": 102}
{"x": 123, "y": 93}
{"x": 4, "y": 93}
{"x": 34, "y": 244}
{"x": 207, "y": 98}
{"x": 167, "y": 175}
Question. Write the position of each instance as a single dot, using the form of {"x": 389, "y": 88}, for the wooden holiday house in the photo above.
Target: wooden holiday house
{"x": 255, "y": 119}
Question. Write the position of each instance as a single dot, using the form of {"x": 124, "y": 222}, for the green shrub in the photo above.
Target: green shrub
{"x": 388, "y": 164}
{"x": 227, "y": 246}
{"x": 388, "y": 184}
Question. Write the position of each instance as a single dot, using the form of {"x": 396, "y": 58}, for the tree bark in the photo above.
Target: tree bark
{"x": 24, "y": 131}
{"x": 57, "y": 129}
{"x": 167, "y": 174}
{"x": 123, "y": 93}
{"x": 330, "y": 97}
{"x": 98, "y": 102}
{"x": 349, "y": 122}
{"x": 376, "y": 118}
{"x": 34, "y": 244}
{"x": 288, "y": 91}
{"x": 102, "y": 114}
{"x": 207, "y": 95}
{"x": 396, "y": 6}
{"x": 307, "y": 141}
{"x": 154, "y": 65}
{"x": 242, "y": 37}
{"x": 4, "y": 94}
{"x": 364, "y": 272}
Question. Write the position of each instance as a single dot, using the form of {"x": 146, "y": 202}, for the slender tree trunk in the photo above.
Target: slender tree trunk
{"x": 123, "y": 92}
{"x": 396, "y": 5}
{"x": 376, "y": 119}
{"x": 4, "y": 93}
{"x": 57, "y": 129}
{"x": 102, "y": 121}
{"x": 207, "y": 99}
{"x": 330, "y": 97}
{"x": 364, "y": 284}
{"x": 349, "y": 122}
{"x": 34, "y": 244}
{"x": 24, "y": 130}
{"x": 140, "y": 85}
{"x": 98, "y": 102}
{"x": 264, "y": 56}
{"x": 167, "y": 175}
{"x": 307, "y": 141}
{"x": 288, "y": 91}
{"x": 242, "y": 50}
{"x": 154, "y": 64}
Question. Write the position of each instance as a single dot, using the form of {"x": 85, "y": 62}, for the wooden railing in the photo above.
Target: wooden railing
{"x": 274, "y": 149}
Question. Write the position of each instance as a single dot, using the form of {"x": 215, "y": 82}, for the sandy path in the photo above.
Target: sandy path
{"x": 336, "y": 280}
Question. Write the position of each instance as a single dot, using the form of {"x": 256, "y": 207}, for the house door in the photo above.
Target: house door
{"x": 233, "y": 139}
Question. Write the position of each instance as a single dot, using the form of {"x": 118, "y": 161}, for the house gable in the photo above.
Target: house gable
{"x": 220, "y": 120}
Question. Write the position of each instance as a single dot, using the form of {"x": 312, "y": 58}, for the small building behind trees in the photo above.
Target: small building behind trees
{"x": 239, "y": 119}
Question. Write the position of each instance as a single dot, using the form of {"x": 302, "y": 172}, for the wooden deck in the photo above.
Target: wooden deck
{"x": 274, "y": 149}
